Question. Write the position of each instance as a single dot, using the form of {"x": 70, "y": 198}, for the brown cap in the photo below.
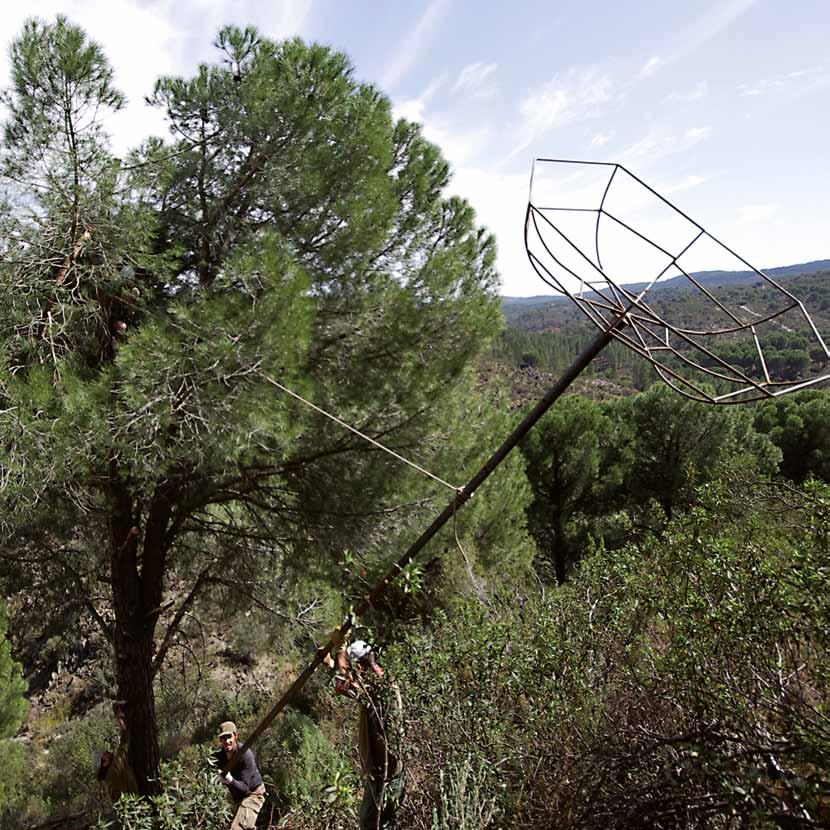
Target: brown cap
{"x": 227, "y": 728}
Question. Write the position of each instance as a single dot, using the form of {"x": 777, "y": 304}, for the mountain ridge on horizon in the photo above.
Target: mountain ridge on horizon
{"x": 707, "y": 278}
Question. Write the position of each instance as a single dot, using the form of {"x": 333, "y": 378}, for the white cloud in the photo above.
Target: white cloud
{"x": 414, "y": 109}
{"x": 578, "y": 95}
{"x": 500, "y": 201}
{"x": 794, "y": 84}
{"x": 720, "y": 15}
{"x": 473, "y": 76}
{"x": 761, "y": 87}
{"x": 458, "y": 145}
{"x": 686, "y": 183}
{"x": 752, "y": 214}
{"x": 145, "y": 40}
{"x": 695, "y": 134}
{"x": 414, "y": 43}
{"x": 698, "y": 91}
{"x": 660, "y": 142}
{"x": 650, "y": 67}
{"x": 600, "y": 139}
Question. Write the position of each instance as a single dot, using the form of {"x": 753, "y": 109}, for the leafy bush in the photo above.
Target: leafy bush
{"x": 13, "y": 705}
{"x": 19, "y": 804}
{"x": 465, "y": 802}
{"x": 799, "y": 425}
{"x": 68, "y": 776}
{"x": 309, "y": 771}
{"x": 191, "y": 799}
{"x": 680, "y": 683}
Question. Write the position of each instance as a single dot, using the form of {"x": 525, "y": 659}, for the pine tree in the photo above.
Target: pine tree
{"x": 292, "y": 232}
{"x": 567, "y": 469}
{"x": 669, "y": 445}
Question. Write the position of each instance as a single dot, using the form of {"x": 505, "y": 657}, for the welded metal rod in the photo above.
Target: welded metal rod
{"x": 527, "y": 423}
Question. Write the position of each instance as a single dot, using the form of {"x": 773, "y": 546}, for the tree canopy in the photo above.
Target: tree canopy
{"x": 569, "y": 466}
{"x": 799, "y": 425}
{"x": 292, "y": 230}
{"x": 175, "y": 321}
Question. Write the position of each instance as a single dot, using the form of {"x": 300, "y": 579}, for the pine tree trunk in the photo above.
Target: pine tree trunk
{"x": 133, "y": 641}
{"x": 135, "y": 685}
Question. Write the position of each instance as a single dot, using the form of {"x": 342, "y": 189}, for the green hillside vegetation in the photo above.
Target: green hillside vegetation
{"x": 626, "y": 627}
{"x": 679, "y": 681}
{"x": 684, "y": 649}
{"x": 548, "y": 336}
{"x": 810, "y": 286}
{"x": 710, "y": 279}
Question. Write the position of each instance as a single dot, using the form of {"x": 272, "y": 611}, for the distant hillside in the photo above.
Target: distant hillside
{"x": 691, "y": 308}
{"x": 544, "y": 334}
{"x": 723, "y": 277}
{"x": 710, "y": 279}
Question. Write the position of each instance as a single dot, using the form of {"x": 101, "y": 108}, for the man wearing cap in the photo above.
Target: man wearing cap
{"x": 243, "y": 780}
{"x": 359, "y": 677}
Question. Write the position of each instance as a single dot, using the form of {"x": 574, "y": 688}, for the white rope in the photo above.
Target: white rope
{"x": 358, "y": 432}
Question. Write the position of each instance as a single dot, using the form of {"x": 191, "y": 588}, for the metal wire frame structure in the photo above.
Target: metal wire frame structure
{"x": 650, "y": 231}
{"x": 614, "y": 308}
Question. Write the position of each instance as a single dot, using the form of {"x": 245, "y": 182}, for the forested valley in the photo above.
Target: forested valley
{"x": 627, "y": 626}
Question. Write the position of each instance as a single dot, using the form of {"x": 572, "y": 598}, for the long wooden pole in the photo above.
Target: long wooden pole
{"x": 464, "y": 493}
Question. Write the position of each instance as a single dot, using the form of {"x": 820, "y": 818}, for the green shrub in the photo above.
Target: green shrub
{"x": 13, "y": 705}
{"x": 68, "y": 776}
{"x": 465, "y": 803}
{"x": 20, "y": 806}
{"x": 681, "y": 683}
{"x": 192, "y": 799}
{"x": 311, "y": 776}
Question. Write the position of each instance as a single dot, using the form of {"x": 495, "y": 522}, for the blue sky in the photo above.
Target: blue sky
{"x": 723, "y": 105}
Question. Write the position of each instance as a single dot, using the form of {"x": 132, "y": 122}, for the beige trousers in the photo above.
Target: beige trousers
{"x": 248, "y": 809}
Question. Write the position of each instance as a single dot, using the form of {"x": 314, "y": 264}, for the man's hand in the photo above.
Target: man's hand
{"x": 343, "y": 685}
{"x": 228, "y": 778}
